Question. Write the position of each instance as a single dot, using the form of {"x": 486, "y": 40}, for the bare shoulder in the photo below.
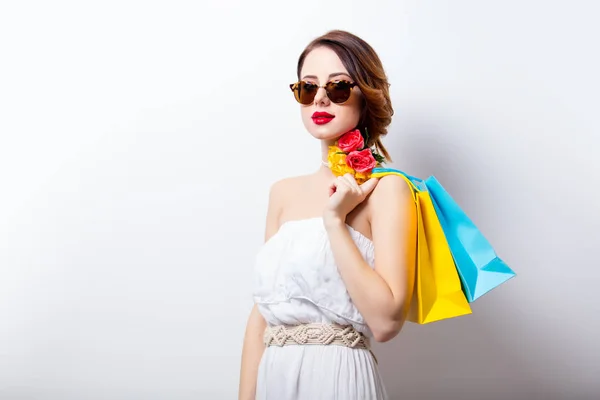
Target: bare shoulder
{"x": 277, "y": 194}
{"x": 390, "y": 191}
{"x": 285, "y": 187}
{"x": 280, "y": 193}
{"x": 391, "y": 207}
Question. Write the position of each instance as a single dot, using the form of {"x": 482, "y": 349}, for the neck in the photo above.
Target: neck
{"x": 325, "y": 148}
{"x": 324, "y": 166}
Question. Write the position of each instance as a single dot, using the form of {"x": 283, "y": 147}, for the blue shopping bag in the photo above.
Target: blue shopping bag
{"x": 479, "y": 267}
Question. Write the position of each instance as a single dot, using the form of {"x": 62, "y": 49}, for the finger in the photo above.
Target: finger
{"x": 343, "y": 185}
{"x": 337, "y": 185}
{"x": 369, "y": 185}
{"x": 352, "y": 183}
{"x": 332, "y": 188}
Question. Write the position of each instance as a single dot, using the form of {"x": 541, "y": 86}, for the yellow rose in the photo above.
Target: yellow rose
{"x": 361, "y": 177}
{"x": 339, "y": 170}
{"x": 337, "y": 162}
{"x": 333, "y": 150}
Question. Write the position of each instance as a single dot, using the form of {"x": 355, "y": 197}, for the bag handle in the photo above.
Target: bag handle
{"x": 414, "y": 180}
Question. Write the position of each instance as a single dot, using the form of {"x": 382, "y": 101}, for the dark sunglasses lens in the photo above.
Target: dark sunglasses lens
{"x": 339, "y": 92}
{"x": 305, "y": 92}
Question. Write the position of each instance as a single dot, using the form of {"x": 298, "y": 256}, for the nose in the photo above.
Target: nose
{"x": 321, "y": 98}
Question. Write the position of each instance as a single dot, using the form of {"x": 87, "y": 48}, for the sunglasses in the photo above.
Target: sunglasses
{"x": 337, "y": 91}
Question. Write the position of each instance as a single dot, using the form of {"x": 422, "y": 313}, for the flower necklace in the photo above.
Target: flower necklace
{"x": 350, "y": 154}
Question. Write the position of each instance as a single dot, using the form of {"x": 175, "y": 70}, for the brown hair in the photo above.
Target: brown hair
{"x": 365, "y": 68}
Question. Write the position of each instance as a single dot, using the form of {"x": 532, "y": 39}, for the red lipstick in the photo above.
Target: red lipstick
{"x": 321, "y": 118}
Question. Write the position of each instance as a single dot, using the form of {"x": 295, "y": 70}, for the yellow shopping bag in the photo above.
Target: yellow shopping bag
{"x": 438, "y": 292}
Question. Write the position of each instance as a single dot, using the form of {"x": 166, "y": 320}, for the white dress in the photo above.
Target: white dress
{"x": 296, "y": 282}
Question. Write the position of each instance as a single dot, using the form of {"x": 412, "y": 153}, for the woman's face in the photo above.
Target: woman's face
{"x": 320, "y": 66}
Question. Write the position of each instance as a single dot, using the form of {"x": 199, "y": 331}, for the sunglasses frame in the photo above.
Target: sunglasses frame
{"x": 294, "y": 86}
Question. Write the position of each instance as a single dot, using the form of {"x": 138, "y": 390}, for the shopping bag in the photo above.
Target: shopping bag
{"x": 479, "y": 267}
{"x": 437, "y": 294}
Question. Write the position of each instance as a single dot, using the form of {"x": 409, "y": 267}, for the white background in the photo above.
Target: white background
{"x": 138, "y": 141}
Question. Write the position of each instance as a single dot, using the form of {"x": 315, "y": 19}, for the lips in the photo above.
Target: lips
{"x": 321, "y": 118}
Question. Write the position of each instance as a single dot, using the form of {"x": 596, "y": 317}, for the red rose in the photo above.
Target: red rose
{"x": 351, "y": 141}
{"x": 361, "y": 161}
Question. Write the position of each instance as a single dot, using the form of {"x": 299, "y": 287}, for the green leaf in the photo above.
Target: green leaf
{"x": 379, "y": 158}
{"x": 366, "y": 136}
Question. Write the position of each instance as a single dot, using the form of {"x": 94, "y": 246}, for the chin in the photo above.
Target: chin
{"x": 326, "y": 132}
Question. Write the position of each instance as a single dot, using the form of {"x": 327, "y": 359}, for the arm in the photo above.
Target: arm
{"x": 253, "y": 347}
{"x": 382, "y": 295}
{"x": 251, "y": 354}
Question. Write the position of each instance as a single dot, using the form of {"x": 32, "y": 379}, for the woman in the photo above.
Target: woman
{"x": 320, "y": 296}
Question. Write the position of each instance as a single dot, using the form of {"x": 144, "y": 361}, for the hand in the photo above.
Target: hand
{"x": 345, "y": 194}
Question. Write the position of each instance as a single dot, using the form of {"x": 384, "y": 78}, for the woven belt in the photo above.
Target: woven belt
{"x": 323, "y": 334}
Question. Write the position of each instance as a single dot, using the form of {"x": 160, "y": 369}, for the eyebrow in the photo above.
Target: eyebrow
{"x": 330, "y": 75}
